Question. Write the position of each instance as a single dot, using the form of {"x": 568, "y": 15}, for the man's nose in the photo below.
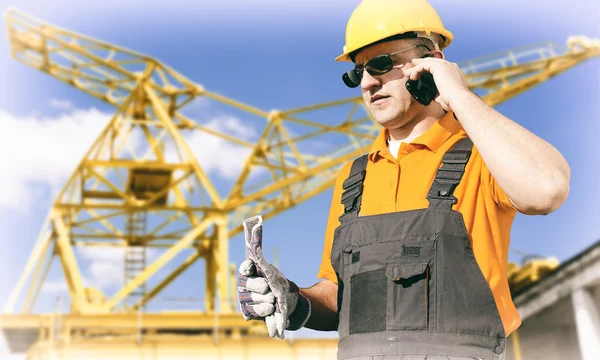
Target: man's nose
{"x": 369, "y": 81}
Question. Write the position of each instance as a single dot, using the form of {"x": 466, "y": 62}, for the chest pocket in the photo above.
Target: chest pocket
{"x": 408, "y": 296}
{"x": 390, "y": 285}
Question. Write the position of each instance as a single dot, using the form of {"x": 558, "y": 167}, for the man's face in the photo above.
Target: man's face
{"x": 386, "y": 95}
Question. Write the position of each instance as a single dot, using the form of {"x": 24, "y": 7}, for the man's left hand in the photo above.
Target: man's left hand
{"x": 450, "y": 81}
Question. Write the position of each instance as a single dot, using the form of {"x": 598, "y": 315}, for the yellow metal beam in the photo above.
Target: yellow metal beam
{"x": 164, "y": 117}
{"x": 209, "y": 131}
{"x": 36, "y": 282}
{"x": 540, "y": 72}
{"x": 167, "y": 280}
{"x": 101, "y": 219}
{"x": 188, "y": 347}
{"x": 119, "y": 206}
{"x": 69, "y": 263}
{"x": 126, "y": 321}
{"x": 221, "y": 255}
{"x": 283, "y": 183}
{"x": 36, "y": 254}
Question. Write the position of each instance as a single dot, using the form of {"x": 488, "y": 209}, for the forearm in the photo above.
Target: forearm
{"x": 323, "y": 299}
{"x": 534, "y": 175}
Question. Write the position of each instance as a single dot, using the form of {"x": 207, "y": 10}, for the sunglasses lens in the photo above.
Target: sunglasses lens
{"x": 380, "y": 65}
{"x": 377, "y": 66}
{"x": 351, "y": 78}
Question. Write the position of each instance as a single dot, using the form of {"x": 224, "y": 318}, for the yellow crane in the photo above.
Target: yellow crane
{"x": 140, "y": 186}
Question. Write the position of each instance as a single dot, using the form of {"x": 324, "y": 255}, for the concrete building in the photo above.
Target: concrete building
{"x": 561, "y": 312}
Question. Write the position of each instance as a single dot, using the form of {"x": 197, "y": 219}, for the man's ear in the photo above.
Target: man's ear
{"x": 439, "y": 55}
{"x": 436, "y": 54}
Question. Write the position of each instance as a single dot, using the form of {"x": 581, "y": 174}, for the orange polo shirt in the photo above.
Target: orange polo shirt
{"x": 401, "y": 183}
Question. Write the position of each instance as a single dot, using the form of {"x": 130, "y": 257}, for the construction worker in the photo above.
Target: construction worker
{"x": 416, "y": 246}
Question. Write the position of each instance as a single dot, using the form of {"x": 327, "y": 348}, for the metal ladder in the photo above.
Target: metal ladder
{"x": 135, "y": 254}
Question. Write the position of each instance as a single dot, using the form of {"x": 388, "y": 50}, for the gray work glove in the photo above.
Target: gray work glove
{"x": 263, "y": 291}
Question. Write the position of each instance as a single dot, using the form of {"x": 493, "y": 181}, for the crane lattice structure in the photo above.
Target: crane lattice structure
{"x": 140, "y": 185}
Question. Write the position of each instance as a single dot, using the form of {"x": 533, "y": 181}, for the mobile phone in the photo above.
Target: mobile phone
{"x": 423, "y": 89}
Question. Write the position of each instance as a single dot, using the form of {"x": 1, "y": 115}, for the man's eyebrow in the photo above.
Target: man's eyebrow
{"x": 363, "y": 63}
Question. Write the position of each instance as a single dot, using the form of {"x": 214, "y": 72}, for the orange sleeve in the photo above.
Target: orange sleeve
{"x": 493, "y": 189}
{"x": 335, "y": 211}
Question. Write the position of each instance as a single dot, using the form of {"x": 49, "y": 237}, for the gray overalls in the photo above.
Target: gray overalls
{"x": 409, "y": 284}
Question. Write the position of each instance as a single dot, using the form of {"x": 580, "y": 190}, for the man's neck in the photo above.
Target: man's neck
{"x": 416, "y": 126}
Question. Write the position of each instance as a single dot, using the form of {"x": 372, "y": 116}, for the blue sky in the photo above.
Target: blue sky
{"x": 279, "y": 55}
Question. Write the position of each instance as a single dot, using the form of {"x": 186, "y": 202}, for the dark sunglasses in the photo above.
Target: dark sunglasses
{"x": 377, "y": 66}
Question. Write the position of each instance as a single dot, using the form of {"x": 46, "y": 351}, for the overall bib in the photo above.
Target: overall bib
{"x": 409, "y": 284}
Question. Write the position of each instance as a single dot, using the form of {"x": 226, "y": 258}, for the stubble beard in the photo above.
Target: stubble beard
{"x": 393, "y": 115}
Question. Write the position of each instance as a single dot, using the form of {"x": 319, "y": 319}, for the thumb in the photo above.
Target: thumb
{"x": 438, "y": 99}
{"x": 253, "y": 234}
{"x": 247, "y": 267}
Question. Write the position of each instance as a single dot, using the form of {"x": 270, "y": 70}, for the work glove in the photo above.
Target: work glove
{"x": 263, "y": 291}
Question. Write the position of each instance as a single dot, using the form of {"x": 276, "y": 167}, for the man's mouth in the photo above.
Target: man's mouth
{"x": 378, "y": 99}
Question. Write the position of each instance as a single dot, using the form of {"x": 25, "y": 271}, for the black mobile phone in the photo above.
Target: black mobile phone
{"x": 423, "y": 89}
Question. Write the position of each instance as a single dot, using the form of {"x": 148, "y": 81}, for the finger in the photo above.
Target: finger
{"x": 248, "y": 312}
{"x": 253, "y": 234}
{"x": 426, "y": 59}
{"x": 247, "y": 268}
{"x": 271, "y": 327}
{"x": 279, "y": 323}
{"x": 252, "y": 297}
{"x": 409, "y": 73}
{"x": 257, "y": 311}
{"x": 253, "y": 284}
{"x": 417, "y": 70}
{"x": 262, "y": 309}
{"x": 261, "y": 263}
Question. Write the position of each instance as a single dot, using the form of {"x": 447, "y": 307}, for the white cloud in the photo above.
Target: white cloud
{"x": 41, "y": 151}
{"x": 55, "y": 286}
{"x": 104, "y": 266}
{"x": 44, "y": 151}
{"x": 215, "y": 154}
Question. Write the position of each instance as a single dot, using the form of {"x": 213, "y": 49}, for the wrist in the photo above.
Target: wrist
{"x": 298, "y": 318}
{"x": 463, "y": 100}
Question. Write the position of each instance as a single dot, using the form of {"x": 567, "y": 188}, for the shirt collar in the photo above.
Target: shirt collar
{"x": 432, "y": 138}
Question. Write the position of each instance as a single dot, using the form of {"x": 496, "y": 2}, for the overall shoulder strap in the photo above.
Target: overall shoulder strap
{"x": 449, "y": 175}
{"x": 353, "y": 188}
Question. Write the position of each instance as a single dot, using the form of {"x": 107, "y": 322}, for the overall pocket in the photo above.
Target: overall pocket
{"x": 408, "y": 296}
{"x": 368, "y": 297}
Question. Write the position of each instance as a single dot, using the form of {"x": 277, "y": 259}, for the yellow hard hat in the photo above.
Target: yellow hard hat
{"x": 375, "y": 20}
